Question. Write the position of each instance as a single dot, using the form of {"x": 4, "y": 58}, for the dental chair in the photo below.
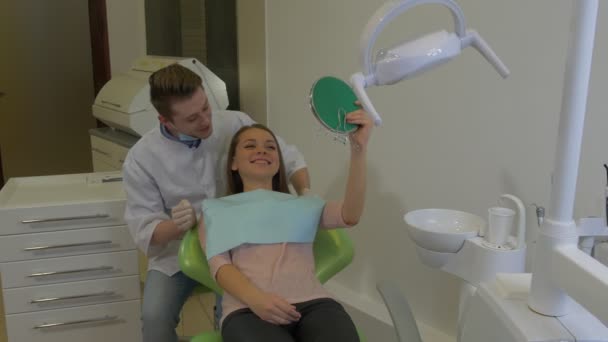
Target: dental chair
{"x": 333, "y": 251}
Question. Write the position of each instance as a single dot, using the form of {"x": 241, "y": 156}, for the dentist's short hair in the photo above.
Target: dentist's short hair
{"x": 172, "y": 83}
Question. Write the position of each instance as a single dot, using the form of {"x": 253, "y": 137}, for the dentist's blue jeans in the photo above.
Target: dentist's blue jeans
{"x": 164, "y": 297}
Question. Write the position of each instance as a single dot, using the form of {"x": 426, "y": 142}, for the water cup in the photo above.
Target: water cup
{"x": 500, "y": 224}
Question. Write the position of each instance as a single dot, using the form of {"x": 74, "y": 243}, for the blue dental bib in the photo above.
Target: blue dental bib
{"x": 260, "y": 217}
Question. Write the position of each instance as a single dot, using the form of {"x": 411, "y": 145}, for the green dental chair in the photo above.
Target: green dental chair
{"x": 333, "y": 251}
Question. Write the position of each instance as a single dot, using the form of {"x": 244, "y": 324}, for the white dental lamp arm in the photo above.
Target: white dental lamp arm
{"x": 473, "y": 38}
{"x": 412, "y": 58}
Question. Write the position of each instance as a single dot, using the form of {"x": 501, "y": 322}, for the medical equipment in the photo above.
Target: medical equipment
{"x": 330, "y": 100}
{"x": 518, "y": 307}
{"x": 124, "y": 105}
{"x": 458, "y": 243}
{"x": 412, "y": 58}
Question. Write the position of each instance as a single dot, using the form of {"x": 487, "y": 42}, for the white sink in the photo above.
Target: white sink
{"x": 442, "y": 230}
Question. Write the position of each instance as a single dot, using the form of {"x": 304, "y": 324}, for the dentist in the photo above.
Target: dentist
{"x": 167, "y": 174}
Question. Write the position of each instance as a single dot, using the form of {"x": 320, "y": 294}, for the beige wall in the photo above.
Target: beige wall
{"x": 456, "y": 137}
{"x": 126, "y": 33}
{"x": 251, "y": 36}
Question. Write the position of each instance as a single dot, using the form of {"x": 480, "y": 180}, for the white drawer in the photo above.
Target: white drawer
{"x": 108, "y": 151}
{"x": 94, "y": 323}
{"x": 56, "y": 296}
{"x": 65, "y": 269}
{"x": 101, "y": 165}
{"x": 61, "y": 217}
{"x": 65, "y": 243}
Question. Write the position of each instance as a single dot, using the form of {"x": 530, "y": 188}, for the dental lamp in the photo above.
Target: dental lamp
{"x": 561, "y": 271}
{"x": 412, "y": 58}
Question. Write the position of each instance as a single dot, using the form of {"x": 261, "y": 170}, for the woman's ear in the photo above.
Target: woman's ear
{"x": 233, "y": 165}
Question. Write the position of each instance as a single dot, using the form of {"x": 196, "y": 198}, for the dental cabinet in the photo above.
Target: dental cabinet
{"x": 67, "y": 261}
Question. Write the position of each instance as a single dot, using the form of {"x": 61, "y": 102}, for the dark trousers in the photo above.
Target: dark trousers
{"x": 323, "y": 320}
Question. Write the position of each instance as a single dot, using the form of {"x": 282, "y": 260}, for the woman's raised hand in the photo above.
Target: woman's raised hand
{"x": 360, "y": 137}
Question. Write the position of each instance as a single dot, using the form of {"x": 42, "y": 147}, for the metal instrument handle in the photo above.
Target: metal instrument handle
{"x": 82, "y": 321}
{"x": 89, "y": 295}
{"x": 111, "y": 179}
{"x": 44, "y": 274}
{"x": 92, "y": 243}
{"x": 69, "y": 218}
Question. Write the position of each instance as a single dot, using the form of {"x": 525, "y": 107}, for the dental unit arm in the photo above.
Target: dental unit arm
{"x": 412, "y": 58}
{"x": 561, "y": 271}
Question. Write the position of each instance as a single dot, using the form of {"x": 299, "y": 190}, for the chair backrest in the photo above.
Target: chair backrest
{"x": 333, "y": 251}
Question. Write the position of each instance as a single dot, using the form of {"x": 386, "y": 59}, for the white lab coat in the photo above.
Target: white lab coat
{"x": 159, "y": 172}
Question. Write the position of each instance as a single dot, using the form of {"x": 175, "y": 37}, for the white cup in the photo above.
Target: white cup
{"x": 500, "y": 224}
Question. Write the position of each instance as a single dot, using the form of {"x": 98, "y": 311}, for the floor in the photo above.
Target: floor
{"x": 197, "y": 317}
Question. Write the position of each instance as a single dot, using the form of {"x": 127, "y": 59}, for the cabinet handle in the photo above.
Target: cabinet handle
{"x": 70, "y": 218}
{"x": 111, "y": 179}
{"x": 82, "y": 321}
{"x": 92, "y": 243}
{"x": 90, "y": 295}
{"x": 107, "y": 154}
{"x": 44, "y": 274}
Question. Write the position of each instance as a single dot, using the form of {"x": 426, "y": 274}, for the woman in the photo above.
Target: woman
{"x": 262, "y": 255}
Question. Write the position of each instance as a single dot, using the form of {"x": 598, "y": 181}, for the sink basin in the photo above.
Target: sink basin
{"x": 442, "y": 230}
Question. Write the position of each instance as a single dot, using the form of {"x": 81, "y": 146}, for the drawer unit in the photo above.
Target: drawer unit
{"x": 55, "y": 296}
{"x": 91, "y": 323}
{"x": 101, "y": 165}
{"x": 68, "y": 264}
{"x": 65, "y": 243}
{"x": 74, "y": 268}
{"x": 108, "y": 152}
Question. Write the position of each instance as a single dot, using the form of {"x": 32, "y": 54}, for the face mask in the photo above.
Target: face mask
{"x": 186, "y": 138}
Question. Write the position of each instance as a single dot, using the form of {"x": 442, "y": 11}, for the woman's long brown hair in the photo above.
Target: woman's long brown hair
{"x": 235, "y": 183}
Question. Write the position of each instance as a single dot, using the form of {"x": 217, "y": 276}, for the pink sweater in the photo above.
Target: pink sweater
{"x": 285, "y": 269}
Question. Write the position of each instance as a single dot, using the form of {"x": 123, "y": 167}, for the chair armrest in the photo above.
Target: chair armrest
{"x": 193, "y": 261}
{"x": 333, "y": 251}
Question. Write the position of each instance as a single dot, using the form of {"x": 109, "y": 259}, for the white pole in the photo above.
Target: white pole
{"x": 559, "y": 228}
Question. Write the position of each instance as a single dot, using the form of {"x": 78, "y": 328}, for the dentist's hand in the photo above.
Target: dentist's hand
{"x": 183, "y": 215}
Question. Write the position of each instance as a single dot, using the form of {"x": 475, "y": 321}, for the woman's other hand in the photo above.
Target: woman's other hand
{"x": 274, "y": 309}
